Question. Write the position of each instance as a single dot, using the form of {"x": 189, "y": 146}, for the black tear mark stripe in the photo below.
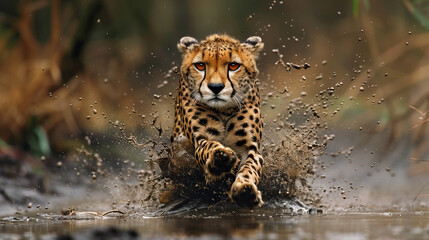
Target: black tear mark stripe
{"x": 232, "y": 85}
{"x": 199, "y": 87}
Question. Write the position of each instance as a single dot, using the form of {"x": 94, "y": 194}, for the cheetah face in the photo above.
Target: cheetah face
{"x": 218, "y": 79}
{"x": 219, "y": 70}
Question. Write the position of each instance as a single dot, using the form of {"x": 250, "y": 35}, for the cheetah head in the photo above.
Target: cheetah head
{"x": 219, "y": 70}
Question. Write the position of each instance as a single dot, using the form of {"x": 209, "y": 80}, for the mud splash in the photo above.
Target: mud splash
{"x": 171, "y": 183}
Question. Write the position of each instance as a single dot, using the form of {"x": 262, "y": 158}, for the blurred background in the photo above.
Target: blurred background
{"x": 86, "y": 72}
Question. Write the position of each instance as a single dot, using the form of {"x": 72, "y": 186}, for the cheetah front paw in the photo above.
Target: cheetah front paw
{"x": 221, "y": 161}
{"x": 245, "y": 194}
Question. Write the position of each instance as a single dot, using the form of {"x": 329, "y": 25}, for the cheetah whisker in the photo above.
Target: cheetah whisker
{"x": 237, "y": 99}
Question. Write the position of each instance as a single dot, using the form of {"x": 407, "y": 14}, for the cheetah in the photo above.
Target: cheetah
{"x": 217, "y": 111}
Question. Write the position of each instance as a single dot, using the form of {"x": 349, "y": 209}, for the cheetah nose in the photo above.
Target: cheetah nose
{"x": 216, "y": 87}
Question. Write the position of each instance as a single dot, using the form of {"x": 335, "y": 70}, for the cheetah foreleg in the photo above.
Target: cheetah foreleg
{"x": 244, "y": 190}
{"x": 215, "y": 159}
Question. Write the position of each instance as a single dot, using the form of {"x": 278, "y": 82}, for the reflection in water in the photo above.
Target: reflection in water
{"x": 255, "y": 225}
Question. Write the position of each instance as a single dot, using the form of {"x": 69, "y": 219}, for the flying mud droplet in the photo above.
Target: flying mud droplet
{"x": 88, "y": 140}
{"x": 289, "y": 65}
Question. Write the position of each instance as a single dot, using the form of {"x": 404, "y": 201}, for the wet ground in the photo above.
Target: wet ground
{"x": 242, "y": 225}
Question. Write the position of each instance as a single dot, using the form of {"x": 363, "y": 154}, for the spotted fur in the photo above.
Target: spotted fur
{"x": 218, "y": 111}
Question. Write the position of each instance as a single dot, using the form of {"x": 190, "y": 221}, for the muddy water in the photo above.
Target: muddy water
{"x": 250, "y": 225}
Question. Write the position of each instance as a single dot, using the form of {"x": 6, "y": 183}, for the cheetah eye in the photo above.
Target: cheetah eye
{"x": 233, "y": 66}
{"x": 200, "y": 66}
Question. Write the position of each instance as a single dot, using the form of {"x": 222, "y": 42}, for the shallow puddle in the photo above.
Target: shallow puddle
{"x": 238, "y": 225}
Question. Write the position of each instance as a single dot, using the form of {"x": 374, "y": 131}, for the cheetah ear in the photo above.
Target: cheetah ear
{"x": 186, "y": 43}
{"x": 254, "y": 45}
